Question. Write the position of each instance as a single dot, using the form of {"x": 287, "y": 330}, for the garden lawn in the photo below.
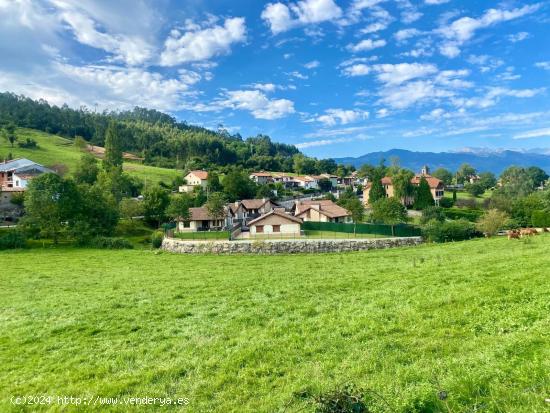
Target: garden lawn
{"x": 54, "y": 150}
{"x": 268, "y": 333}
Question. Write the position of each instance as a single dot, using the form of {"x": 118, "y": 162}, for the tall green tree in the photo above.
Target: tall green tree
{"x": 51, "y": 204}
{"x": 388, "y": 211}
{"x": 9, "y": 133}
{"x": 516, "y": 182}
{"x": 356, "y": 209}
{"x": 377, "y": 190}
{"x": 464, "y": 172}
{"x": 155, "y": 202}
{"x": 487, "y": 180}
{"x": 179, "y": 205}
{"x": 423, "y": 197}
{"x": 443, "y": 175}
{"x": 402, "y": 186}
{"x": 113, "y": 147}
{"x": 213, "y": 182}
{"x": 87, "y": 170}
{"x": 538, "y": 175}
{"x": 216, "y": 205}
{"x": 237, "y": 185}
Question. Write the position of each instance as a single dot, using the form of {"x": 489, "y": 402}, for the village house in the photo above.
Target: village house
{"x": 323, "y": 210}
{"x": 332, "y": 178}
{"x": 249, "y": 209}
{"x": 15, "y": 176}
{"x": 194, "y": 179}
{"x": 18, "y": 172}
{"x": 306, "y": 182}
{"x": 261, "y": 178}
{"x": 276, "y": 222}
{"x": 437, "y": 188}
{"x": 200, "y": 220}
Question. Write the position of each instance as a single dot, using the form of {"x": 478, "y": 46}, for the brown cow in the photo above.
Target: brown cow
{"x": 513, "y": 234}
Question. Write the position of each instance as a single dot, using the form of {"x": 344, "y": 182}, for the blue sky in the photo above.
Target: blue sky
{"x": 334, "y": 77}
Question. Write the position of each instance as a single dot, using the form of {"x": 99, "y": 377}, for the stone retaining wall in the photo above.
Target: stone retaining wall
{"x": 284, "y": 246}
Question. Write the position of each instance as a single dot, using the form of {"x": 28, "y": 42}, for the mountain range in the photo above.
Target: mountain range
{"x": 483, "y": 160}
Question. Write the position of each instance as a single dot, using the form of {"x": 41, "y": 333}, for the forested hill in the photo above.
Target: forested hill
{"x": 159, "y": 138}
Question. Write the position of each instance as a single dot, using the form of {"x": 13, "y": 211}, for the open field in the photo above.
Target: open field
{"x": 265, "y": 333}
{"x": 56, "y": 150}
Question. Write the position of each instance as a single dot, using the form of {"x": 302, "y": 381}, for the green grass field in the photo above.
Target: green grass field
{"x": 266, "y": 333}
{"x": 56, "y": 150}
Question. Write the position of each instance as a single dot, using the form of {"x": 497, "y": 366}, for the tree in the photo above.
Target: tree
{"x": 179, "y": 205}
{"x": 538, "y": 175}
{"x": 487, "y": 180}
{"x": 356, "y": 209}
{"x": 304, "y": 165}
{"x": 464, "y": 172}
{"x": 130, "y": 208}
{"x": 155, "y": 201}
{"x": 113, "y": 147}
{"x": 444, "y": 175}
{"x": 80, "y": 143}
{"x": 324, "y": 184}
{"x": 423, "y": 197}
{"x": 377, "y": 190}
{"x": 388, "y": 211}
{"x": 216, "y": 206}
{"x": 51, "y": 202}
{"x": 9, "y": 133}
{"x": 87, "y": 170}
{"x": 213, "y": 182}
{"x": 237, "y": 185}
{"x": 492, "y": 221}
{"x": 516, "y": 182}
{"x": 402, "y": 186}
{"x": 475, "y": 189}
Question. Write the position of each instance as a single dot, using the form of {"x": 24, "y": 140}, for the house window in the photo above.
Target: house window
{"x": 186, "y": 224}
{"x": 276, "y": 228}
{"x": 259, "y": 229}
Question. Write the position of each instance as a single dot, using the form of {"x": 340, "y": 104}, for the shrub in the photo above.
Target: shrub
{"x": 343, "y": 400}
{"x": 435, "y": 231}
{"x": 432, "y": 212}
{"x": 112, "y": 243}
{"x": 28, "y": 144}
{"x": 388, "y": 211}
{"x": 466, "y": 203}
{"x": 492, "y": 221}
{"x": 446, "y": 202}
{"x": 12, "y": 240}
{"x": 467, "y": 214}
{"x": 156, "y": 239}
{"x": 540, "y": 219}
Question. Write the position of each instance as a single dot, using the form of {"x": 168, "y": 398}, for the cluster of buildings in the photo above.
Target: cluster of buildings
{"x": 437, "y": 188}
{"x": 263, "y": 216}
{"x": 14, "y": 177}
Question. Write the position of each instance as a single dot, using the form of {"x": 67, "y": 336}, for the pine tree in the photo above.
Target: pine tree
{"x": 113, "y": 147}
{"x": 424, "y": 196}
{"x": 377, "y": 191}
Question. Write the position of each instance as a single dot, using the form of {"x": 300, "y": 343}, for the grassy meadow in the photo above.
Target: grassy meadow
{"x": 269, "y": 333}
{"x": 54, "y": 150}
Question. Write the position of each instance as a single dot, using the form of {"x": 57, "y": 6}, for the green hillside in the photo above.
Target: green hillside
{"x": 54, "y": 150}
{"x": 269, "y": 333}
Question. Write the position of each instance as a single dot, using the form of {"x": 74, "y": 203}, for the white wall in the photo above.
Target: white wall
{"x": 290, "y": 228}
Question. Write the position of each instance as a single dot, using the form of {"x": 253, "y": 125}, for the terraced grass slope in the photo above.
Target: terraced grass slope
{"x": 56, "y": 150}
{"x": 266, "y": 333}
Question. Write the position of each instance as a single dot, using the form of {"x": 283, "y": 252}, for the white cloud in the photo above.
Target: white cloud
{"x": 322, "y": 142}
{"x": 518, "y": 37}
{"x": 405, "y": 34}
{"x": 463, "y": 29}
{"x": 433, "y": 115}
{"x": 539, "y": 133}
{"x": 265, "y": 87}
{"x": 399, "y": 73}
{"x": 298, "y": 75}
{"x": 543, "y": 65}
{"x": 367, "y": 44}
{"x": 382, "y": 113}
{"x": 333, "y": 117}
{"x": 485, "y": 62}
{"x": 256, "y": 103}
{"x": 356, "y": 70}
{"x": 493, "y": 95}
{"x": 436, "y": 2}
{"x": 203, "y": 43}
{"x": 312, "y": 65}
{"x": 281, "y": 17}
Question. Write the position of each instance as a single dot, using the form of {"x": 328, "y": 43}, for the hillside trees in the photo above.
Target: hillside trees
{"x": 423, "y": 197}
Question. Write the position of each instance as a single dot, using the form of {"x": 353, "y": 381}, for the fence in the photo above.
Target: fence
{"x": 400, "y": 230}
{"x": 198, "y": 235}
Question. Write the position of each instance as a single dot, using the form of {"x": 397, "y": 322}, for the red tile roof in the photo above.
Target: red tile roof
{"x": 200, "y": 174}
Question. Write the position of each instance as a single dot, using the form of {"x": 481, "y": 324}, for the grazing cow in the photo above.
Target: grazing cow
{"x": 545, "y": 229}
{"x": 513, "y": 234}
